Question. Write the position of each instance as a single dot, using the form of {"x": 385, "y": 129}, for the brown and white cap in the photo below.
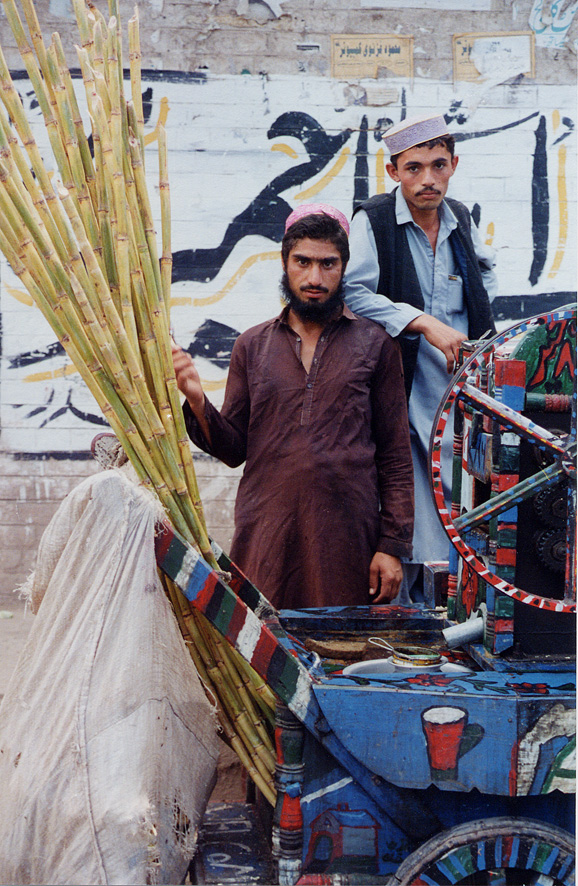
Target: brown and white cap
{"x": 414, "y": 131}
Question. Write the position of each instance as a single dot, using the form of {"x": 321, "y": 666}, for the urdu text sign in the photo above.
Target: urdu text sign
{"x": 362, "y": 55}
{"x": 501, "y": 55}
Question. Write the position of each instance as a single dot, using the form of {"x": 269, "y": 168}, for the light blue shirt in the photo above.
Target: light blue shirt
{"x": 443, "y": 296}
{"x": 442, "y": 292}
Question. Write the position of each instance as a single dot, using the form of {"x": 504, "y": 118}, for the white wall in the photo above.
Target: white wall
{"x": 221, "y": 160}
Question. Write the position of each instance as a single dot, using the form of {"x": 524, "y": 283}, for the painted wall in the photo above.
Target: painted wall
{"x": 243, "y": 155}
{"x": 245, "y": 149}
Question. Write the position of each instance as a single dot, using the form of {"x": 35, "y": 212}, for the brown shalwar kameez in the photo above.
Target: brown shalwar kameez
{"x": 328, "y": 472}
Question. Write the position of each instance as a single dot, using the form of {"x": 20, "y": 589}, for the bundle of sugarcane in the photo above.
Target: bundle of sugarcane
{"x": 87, "y": 254}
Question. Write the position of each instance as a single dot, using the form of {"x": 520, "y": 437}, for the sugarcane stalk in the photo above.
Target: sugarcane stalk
{"x": 84, "y": 198}
{"x": 164, "y": 188}
{"x": 97, "y": 60}
{"x": 160, "y": 325}
{"x": 116, "y": 35}
{"x": 20, "y": 173}
{"x": 264, "y": 694}
{"x": 36, "y": 36}
{"x": 247, "y": 702}
{"x": 237, "y": 716}
{"x": 149, "y": 333}
{"x": 147, "y": 217}
{"x": 15, "y": 111}
{"x": 82, "y": 140}
{"x": 81, "y": 14}
{"x": 46, "y": 100}
{"x": 106, "y": 230}
{"x": 120, "y": 232}
{"x": 134, "y": 58}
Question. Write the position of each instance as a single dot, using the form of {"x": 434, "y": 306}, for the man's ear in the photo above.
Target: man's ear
{"x": 455, "y": 160}
{"x": 392, "y": 171}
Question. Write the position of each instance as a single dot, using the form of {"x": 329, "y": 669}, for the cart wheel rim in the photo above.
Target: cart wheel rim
{"x": 477, "y": 361}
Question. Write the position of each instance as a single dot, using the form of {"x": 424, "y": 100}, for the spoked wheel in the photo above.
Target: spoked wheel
{"x": 492, "y": 852}
{"x": 556, "y": 467}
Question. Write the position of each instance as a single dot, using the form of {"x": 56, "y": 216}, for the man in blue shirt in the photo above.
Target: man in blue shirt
{"x": 419, "y": 267}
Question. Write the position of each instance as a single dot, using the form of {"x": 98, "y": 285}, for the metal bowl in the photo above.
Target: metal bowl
{"x": 414, "y": 656}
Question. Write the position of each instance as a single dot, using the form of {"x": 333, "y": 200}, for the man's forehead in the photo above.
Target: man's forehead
{"x": 309, "y": 248}
{"x": 424, "y": 154}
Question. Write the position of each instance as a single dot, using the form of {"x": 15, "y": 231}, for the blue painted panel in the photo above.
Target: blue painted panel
{"x": 514, "y": 397}
{"x": 458, "y": 733}
{"x": 332, "y": 801}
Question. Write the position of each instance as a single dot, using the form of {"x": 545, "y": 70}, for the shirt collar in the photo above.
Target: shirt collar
{"x": 448, "y": 219}
{"x": 346, "y": 313}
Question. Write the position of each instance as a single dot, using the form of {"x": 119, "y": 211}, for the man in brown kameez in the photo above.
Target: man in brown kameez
{"x": 315, "y": 407}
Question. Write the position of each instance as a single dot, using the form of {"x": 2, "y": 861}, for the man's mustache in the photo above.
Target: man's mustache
{"x": 313, "y": 289}
{"x": 429, "y": 191}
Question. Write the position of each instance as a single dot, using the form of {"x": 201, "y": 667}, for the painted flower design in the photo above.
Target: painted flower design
{"x": 530, "y": 688}
{"x": 429, "y": 680}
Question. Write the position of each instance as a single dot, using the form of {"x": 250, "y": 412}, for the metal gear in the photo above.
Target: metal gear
{"x": 551, "y": 505}
{"x": 551, "y": 548}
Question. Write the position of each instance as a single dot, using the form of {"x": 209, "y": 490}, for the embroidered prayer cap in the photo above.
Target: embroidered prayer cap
{"x": 414, "y": 131}
{"x": 317, "y": 209}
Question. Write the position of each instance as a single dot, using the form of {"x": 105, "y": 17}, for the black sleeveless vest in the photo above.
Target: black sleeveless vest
{"x": 398, "y": 276}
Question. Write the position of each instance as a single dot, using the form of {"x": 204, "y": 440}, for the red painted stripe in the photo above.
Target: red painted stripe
{"x": 549, "y": 604}
{"x": 163, "y": 539}
{"x": 506, "y": 556}
{"x": 264, "y": 650}
{"x": 291, "y": 817}
{"x": 504, "y": 625}
{"x": 237, "y": 622}
{"x": 506, "y": 850}
{"x": 206, "y": 592}
{"x": 315, "y": 880}
{"x": 236, "y": 582}
{"x": 278, "y": 745}
{"x": 506, "y": 481}
{"x": 513, "y": 775}
{"x": 510, "y": 372}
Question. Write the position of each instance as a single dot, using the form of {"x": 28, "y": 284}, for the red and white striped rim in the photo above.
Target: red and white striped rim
{"x": 476, "y": 361}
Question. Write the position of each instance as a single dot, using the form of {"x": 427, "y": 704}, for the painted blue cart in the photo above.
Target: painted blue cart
{"x": 462, "y": 771}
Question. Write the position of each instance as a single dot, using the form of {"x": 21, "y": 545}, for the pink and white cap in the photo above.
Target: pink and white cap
{"x": 414, "y": 131}
{"x": 317, "y": 209}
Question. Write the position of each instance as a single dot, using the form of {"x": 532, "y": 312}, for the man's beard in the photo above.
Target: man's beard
{"x": 314, "y": 311}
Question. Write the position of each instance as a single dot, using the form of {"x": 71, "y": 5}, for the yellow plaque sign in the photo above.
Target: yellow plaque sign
{"x": 363, "y": 55}
{"x": 498, "y": 56}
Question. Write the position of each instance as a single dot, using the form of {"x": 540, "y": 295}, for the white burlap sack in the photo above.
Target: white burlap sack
{"x": 108, "y": 745}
